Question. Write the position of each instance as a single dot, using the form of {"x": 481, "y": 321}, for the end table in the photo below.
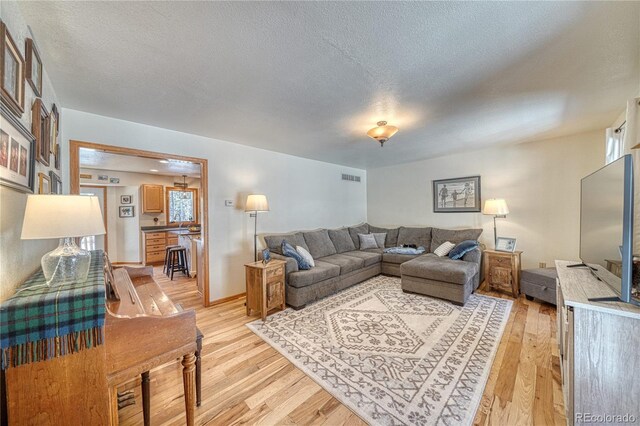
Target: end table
{"x": 265, "y": 287}
{"x": 502, "y": 271}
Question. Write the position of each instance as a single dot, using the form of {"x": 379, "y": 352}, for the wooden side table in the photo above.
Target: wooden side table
{"x": 502, "y": 271}
{"x": 265, "y": 287}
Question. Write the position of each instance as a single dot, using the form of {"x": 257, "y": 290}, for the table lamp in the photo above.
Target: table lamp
{"x": 65, "y": 217}
{"x": 256, "y": 203}
{"x": 498, "y": 208}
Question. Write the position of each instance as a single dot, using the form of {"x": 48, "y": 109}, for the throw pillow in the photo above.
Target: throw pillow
{"x": 444, "y": 249}
{"x": 380, "y": 238}
{"x": 289, "y": 251}
{"x": 367, "y": 241}
{"x": 306, "y": 255}
{"x": 463, "y": 248}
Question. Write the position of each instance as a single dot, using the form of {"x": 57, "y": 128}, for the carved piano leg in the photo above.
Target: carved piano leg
{"x": 188, "y": 378}
{"x": 113, "y": 395}
{"x": 198, "y": 371}
{"x": 146, "y": 399}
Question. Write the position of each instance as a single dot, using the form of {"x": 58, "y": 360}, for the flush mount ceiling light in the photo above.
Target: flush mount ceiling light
{"x": 382, "y": 132}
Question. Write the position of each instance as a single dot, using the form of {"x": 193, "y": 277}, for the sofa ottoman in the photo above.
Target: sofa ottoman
{"x": 539, "y": 283}
{"x": 440, "y": 277}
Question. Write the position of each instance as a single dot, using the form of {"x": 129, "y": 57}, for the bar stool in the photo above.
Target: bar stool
{"x": 178, "y": 262}
{"x": 165, "y": 268}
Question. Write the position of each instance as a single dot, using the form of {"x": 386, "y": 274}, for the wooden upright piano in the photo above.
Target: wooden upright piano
{"x": 142, "y": 330}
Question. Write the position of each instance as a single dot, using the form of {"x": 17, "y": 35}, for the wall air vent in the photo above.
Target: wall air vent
{"x": 351, "y": 178}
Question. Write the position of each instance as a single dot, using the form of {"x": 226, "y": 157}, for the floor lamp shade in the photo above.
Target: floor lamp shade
{"x": 256, "y": 203}
{"x": 497, "y": 207}
{"x": 65, "y": 217}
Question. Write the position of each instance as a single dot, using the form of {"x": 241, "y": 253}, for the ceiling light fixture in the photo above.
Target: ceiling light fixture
{"x": 382, "y": 132}
{"x": 153, "y": 170}
{"x": 164, "y": 161}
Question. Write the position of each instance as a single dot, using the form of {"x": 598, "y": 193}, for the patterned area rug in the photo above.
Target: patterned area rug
{"x": 394, "y": 358}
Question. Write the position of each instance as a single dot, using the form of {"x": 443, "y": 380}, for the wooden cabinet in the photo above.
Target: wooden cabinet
{"x": 502, "y": 271}
{"x": 154, "y": 244}
{"x": 599, "y": 345}
{"x": 265, "y": 287}
{"x": 152, "y": 198}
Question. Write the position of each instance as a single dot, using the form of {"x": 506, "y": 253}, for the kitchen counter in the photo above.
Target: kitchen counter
{"x": 183, "y": 231}
{"x": 161, "y": 228}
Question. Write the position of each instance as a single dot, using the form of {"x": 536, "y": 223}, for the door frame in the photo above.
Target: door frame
{"x": 104, "y": 216}
{"x": 74, "y": 176}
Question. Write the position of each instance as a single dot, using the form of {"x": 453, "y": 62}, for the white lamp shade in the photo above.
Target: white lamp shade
{"x": 62, "y": 216}
{"x": 495, "y": 206}
{"x": 257, "y": 203}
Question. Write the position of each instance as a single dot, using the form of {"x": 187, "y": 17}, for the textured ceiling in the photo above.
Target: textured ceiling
{"x": 94, "y": 159}
{"x": 311, "y": 78}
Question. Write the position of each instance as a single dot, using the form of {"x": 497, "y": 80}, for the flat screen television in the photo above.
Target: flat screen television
{"x": 606, "y": 226}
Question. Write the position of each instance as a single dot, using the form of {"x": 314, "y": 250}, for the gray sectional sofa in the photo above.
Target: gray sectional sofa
{"x": 339, "y": 262}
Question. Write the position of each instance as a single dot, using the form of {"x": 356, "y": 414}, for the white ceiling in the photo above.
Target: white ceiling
{"x": 310, "y": 78}
{"x": 94, "y": 159}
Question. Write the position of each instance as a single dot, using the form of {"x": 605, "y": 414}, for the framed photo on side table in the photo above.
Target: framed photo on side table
{"x": 506, "y": 244}
{"x": 457, "y": 195}
{"x": 11, "y": 72}
{"x": 17, "y": 153}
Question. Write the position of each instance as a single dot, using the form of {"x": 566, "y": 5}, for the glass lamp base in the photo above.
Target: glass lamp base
{"x": 67, "y": 263}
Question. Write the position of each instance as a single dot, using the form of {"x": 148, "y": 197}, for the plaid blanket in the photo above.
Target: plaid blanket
{"x": 41, "y": 322}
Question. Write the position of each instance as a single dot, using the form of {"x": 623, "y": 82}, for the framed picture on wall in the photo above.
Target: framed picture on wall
{"x": 127, "y": 211}
{"x": 126, "y": 199}
{"x": 457, "y": 195}
{"x": 34, "y": 67}
{"x": 54, "y": 122}
{"x": 17, "y": 153}
{"x": 11, "y": 72}
{"x": 44, "y": 184}
{"x": 56, "y": 183}
{"x": 40, "y": 127}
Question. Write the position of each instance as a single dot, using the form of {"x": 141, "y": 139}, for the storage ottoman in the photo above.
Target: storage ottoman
{"x": 539, "y": 283}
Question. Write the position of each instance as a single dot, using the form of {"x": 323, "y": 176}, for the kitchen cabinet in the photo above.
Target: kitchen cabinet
{"x": 152, "y": 198}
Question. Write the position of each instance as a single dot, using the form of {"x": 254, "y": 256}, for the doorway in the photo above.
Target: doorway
{"x": 78, "y": 179}
{"x": 97, "y": 242}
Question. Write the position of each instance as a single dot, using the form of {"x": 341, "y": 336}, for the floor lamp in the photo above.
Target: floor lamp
{"x": 256, "y": 203}
{"x": 498, "y": 208}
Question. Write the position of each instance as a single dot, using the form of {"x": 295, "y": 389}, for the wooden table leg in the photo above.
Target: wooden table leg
{"x": 146, "y": 399}
{"x": 188, "y": 376}
{"x": 113, "y": 396}
{"x": 198, "y": 372}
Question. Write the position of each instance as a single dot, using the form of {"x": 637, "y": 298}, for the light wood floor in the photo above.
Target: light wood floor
{"x": 245, "y": 381}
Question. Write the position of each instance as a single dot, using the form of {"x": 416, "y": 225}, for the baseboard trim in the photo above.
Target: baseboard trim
{"x": 227, "y": 299}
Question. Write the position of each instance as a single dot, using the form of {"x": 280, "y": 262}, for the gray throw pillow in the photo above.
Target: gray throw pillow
{"x": 359, "y": 229}
{"x": 367, "y": 241}
{"x": 380, "y": 238}
{"x": 392, "y": 235}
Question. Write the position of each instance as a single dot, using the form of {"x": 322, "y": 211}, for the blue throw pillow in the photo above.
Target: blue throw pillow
{"x": 463, "y": 248}
{"x": 289, "y": 251}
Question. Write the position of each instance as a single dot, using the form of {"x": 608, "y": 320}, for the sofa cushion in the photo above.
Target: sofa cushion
{"x": 346, "y": 263}
{"x": 367, "y": 241}
{"x": 417, "y": 236}
{"x": 398, "y": 258}
{"x": 355, "y": 230}
{"x": 319, "y": 243}
{"x": 381, "y": 238}
{"x": 274, "y": 241}
{"x": 369, "y": 257}
{"x": 392, "y": 235}
{"x": 462, "y": 248}
{"x": 341, "y": 240}
{"x": 439, "y": 236}
{"x": 322, "y": 271}
{"x": 443, "y": 269}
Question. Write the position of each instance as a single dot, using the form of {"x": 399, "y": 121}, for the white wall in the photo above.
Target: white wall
{"x": 19, "y": 259}
{"x": 123, "y": 234}
{"x": 539, "y": 180}
{"x": 303, "y": 194}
